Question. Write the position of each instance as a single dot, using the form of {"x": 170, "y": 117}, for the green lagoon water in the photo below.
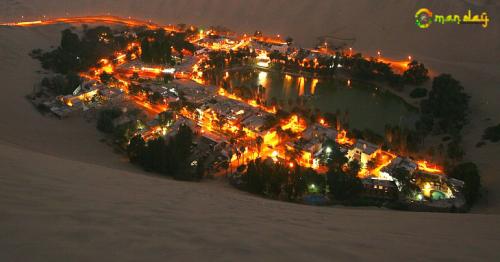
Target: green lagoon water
{"x": 367, "y": 108}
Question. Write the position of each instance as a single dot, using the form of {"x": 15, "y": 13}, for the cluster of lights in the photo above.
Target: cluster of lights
{"x": 272, "y": 142}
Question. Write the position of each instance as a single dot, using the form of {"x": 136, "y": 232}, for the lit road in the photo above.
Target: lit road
{"x": 106, "y": 19}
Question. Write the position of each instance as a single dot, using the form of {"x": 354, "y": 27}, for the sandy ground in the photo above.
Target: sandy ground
{"x": 54, "y": 209}
{"x": 65, "y": 196}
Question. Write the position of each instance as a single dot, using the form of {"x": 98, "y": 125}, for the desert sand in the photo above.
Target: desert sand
{"x": 65, "y": 196}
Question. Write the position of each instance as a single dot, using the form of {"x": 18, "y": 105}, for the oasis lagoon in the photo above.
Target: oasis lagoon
{"x": 366, "y": 106}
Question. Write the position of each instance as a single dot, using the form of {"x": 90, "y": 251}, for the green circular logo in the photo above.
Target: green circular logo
{"x": 423, "y": 18}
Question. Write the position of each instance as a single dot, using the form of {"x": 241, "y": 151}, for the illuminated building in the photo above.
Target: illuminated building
{"x": 263, "y": 60}
{"x": 363, "y": 152}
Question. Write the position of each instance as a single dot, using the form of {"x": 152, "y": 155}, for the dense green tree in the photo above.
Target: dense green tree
{"x": 416, "y": 73}
{"x": 181, "y": 151}
{"x": 253, "y": 177}
{"x": 259, "y": 140}
{"x": 76, "y": 54}
{"x": 135, "y": 76}
{"x": 123, "y": 133}
{"x": 370, "y": 69}
{"x": 296, "y": 185}
{"x": 166, "y": 118}
{"x": 316, "y": 183}
{"x": 73, "y": 80}
{"x": 492, "y": 133}
{"x": 97, "y": 43}
{"x": 413, "y": 141}
{"x": 145, "y": 48}
{"x": 403, "y": 178}
{"x": 342, "y": 180}
{"x": 70, "y": 42}
{"x": 157, "y": 45}
{"x": 199, "y": 171}
{"x": 136, "y": 149}
{"x": 105, "y": 119}
{"x": 105, "y": 77}
{"x": 361, "y": 68}
{"x": 217, "y": 59}
{"x": 447, "y": 105}
{"x": 62, "y": 84}
{"x": 277, "y": 180}
{"x": 167, "y": 78}
{"x": 155, "y": 98}
{"x": 469, "y": 173}
{"x": 425, "y": 124}
{"x": 454, "y": 149}
{"x": 56, "y": 84}
{"x": 343, "y": 186}
{"x": 337, "y": 159}
{"x": 353, "y": 168}
{"x": 155, "y": 157}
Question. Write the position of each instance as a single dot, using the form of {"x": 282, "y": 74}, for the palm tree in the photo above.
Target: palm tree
{"x": 259, "y": 140}
{"x": 238, "y": 155}
{"x": 242, "y": 151}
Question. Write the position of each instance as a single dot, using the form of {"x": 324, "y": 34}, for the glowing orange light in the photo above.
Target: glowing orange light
{"x": 428, "y": 167}
{"x": 250, "y": 102}
{"x": 323, "y": 122}
{"x": 294, "y": 124}
{"x": 343, "y": 139}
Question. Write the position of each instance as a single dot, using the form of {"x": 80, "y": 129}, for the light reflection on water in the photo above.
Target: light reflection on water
{"x": 263, "y": 78}
{"x": 314, "y": 82}
{"x": 366, "y": 107}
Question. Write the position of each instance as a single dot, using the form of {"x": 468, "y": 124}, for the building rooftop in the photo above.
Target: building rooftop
{"x": 366, "y": 147}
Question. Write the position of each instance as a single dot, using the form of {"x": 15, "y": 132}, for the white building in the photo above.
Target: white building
{"x": 363, "y": 152}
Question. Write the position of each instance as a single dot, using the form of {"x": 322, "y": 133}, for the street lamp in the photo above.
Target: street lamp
{"x": 328, "y": 150}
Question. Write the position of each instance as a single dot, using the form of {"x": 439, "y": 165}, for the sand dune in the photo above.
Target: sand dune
{"x": 65, "y": 196}
{"x": 62, "y": 210}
